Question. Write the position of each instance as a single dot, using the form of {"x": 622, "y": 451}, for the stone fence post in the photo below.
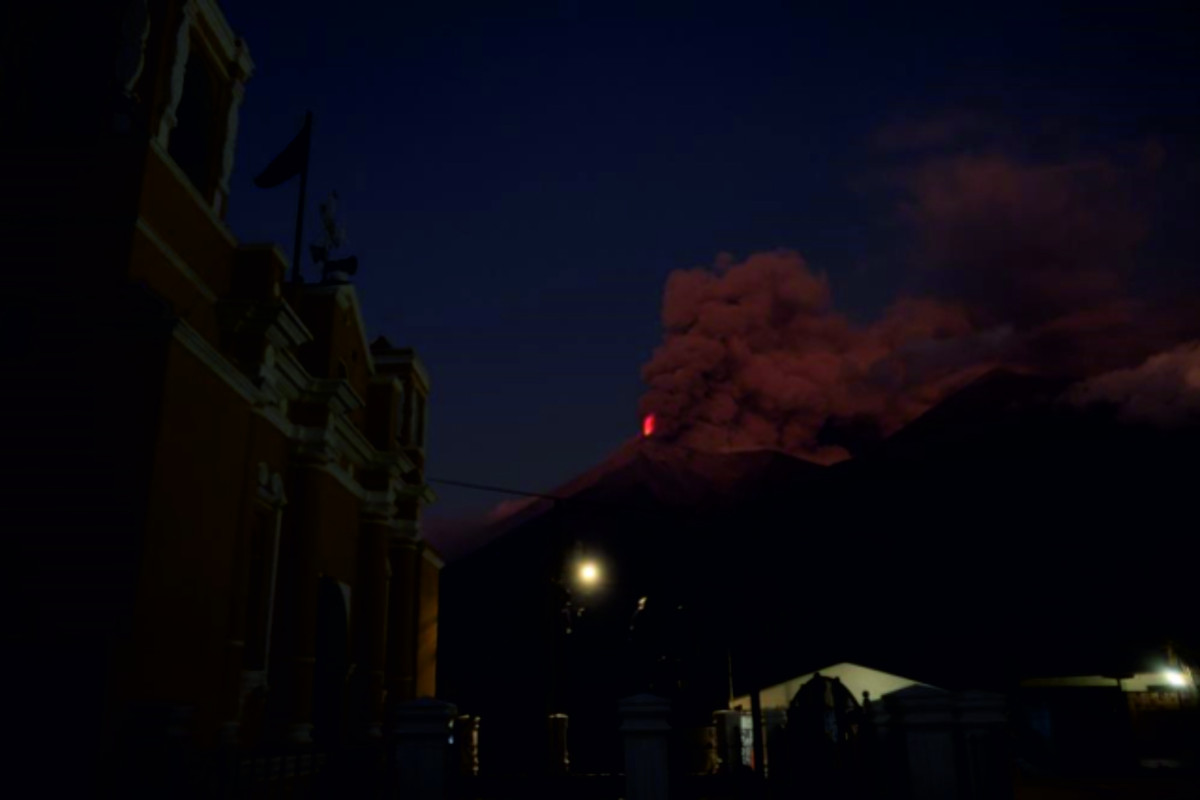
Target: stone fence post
{"x": 559, "y": 759}
{"x": 466, "y": 742}
{"x": 949, "y": 746}
{"x": 646, "y": 732}
{"x": 424, "y": 754}
{"x": 983, "y": 718}
{"x": 729, "y": 741}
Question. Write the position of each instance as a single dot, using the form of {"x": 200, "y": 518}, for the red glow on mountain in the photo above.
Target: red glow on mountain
{"x": 648, "y": 425}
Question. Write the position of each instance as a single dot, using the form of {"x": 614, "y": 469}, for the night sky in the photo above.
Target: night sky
{"x": 519, "y": 186}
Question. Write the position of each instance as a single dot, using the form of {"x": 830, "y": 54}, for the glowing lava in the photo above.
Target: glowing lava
{"x": 648, "y": 425}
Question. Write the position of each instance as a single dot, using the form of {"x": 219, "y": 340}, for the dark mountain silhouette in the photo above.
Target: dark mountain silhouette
{"x": 1005, "y": 533}
{"x": 648, "y": 476}
{"x": 992, "y": 402}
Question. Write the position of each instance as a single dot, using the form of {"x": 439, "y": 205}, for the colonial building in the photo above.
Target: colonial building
{"x": 258, "y": 574}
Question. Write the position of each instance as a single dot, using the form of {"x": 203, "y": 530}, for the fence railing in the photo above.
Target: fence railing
{"x": 921, "y": 743}
{"x": 302, "y": 773}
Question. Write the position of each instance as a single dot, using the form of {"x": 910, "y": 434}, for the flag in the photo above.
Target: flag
{"x": 291, "y": 162}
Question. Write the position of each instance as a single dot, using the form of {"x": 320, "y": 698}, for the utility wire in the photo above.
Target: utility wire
{"x": 572, "y": 500}
{"x": 497, "y": 489}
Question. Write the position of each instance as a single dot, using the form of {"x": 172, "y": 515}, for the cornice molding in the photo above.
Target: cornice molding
{"x": 159, "y": 150}
{"x": 313, "y": 445}
{"x": 350, "y": 440}
{"x": 275, "y": 319}
{"x": 131, "y": 59}
{"x": 389, "y": 380}
{"x": 378, "y": 506}
{"x": 411, "y": 491}
{"x": 432, "y": 556}
{"x": 314, "y": 448}
{"x": 277, "y": 416}
{"x": 290, "y": 327}
{"x": 270, "y": 487}
{"x": 198, "y": 346}
{"x": 179, "y": 57}
{"x": 279, "y": 375}
{"x": 261, "y": 403}
{"x": 404, "y": 533}
{"x": 295, "y": 377}
{"x": 218, "y": 26}
{"x": 175, "y": 260}
{"x": 347, "y": 300}
{"x": 343, "y": 477}
{"x": 321, "y": 448}
{"x": 408, "y": 358}
{"x": 394, "y": 462}
{"x": 336, "y": 393}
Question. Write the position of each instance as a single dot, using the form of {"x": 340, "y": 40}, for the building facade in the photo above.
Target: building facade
{"x": 248, "y": 567}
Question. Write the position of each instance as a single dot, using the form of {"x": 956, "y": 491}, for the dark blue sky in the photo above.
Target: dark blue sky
{"x": 518, "y": 185}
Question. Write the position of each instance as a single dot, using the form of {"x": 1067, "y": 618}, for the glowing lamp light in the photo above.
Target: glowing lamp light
{"x": 1175, "y": 678}
{"x": 648, "y": 425}
{"x": 589, "y": 573}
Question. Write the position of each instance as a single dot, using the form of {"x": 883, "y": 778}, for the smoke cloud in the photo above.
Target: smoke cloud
{"x": 1163, "y": 391}
{"x": 1020, "y": 265}
{"x": 755, "y": 356}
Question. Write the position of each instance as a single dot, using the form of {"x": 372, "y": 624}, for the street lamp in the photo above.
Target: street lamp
{"x": 589, "y": 573}
{"x": 1176, "y": 678}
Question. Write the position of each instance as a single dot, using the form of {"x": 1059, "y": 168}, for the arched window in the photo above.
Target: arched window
{"x": 400, "y": 432}
{"x": 419, "y": 420}
{"x": 193, "y": 144}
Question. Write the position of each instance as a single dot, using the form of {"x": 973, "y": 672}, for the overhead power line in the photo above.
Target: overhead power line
{"x": 496, "y": 489}
{"x": 573, "y": 501}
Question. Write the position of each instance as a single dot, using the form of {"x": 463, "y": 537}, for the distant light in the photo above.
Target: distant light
{"x": 1175, "y": 677}
{"x": 648, "y": 425}
{"x": 589, "y": 573}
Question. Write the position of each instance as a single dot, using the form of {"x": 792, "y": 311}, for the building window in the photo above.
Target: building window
{"x": 193, "y": 144}
{"x": 257, "y": 601}
{"x": 419, "y": 421}
{"x": 400, "y": 432}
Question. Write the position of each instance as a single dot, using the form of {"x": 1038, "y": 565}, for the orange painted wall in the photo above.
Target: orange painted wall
{"x": 150, "y": 265}
{"x": 427, "y": 622}
{"x": 175, "y": 210}
{"x": 337, "y": 547}
{"x": 200, "y": 484}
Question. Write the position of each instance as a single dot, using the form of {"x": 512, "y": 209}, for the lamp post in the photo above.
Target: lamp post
{"x": 580, "y": 578}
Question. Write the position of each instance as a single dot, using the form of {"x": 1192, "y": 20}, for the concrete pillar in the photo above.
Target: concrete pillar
{"x": 729, "y": 741}
{"x": 924, "y": 719}
{"x": 983, "y": 722}
{"x": 304, "y": 594}
{"x": 953, "y": 745}
{"x": 404, "y": 556}
{"x": 774, "y": 733}
{"x": 233, "y": 655}
{"x": 256, "y": 565}
{"x": 371, "y": 625}
{"x": 756, "y": 715}
{"x": 423, "y": 753}
{"x": 559, "y": 759}
{"x": 157, "y": 750}
{"x": 646, "y": 733}
{"x": 466, "y": 741}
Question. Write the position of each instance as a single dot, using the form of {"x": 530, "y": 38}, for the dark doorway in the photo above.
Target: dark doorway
{"x": 332, "y": 665}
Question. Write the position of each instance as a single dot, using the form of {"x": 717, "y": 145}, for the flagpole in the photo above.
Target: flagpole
{"x": 296, "y": 279}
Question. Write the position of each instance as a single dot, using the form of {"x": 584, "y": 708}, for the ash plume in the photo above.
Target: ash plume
{"x": 1019, "y": 264}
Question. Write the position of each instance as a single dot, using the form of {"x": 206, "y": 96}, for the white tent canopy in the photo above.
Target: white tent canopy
{"x": 854, "y": 677}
